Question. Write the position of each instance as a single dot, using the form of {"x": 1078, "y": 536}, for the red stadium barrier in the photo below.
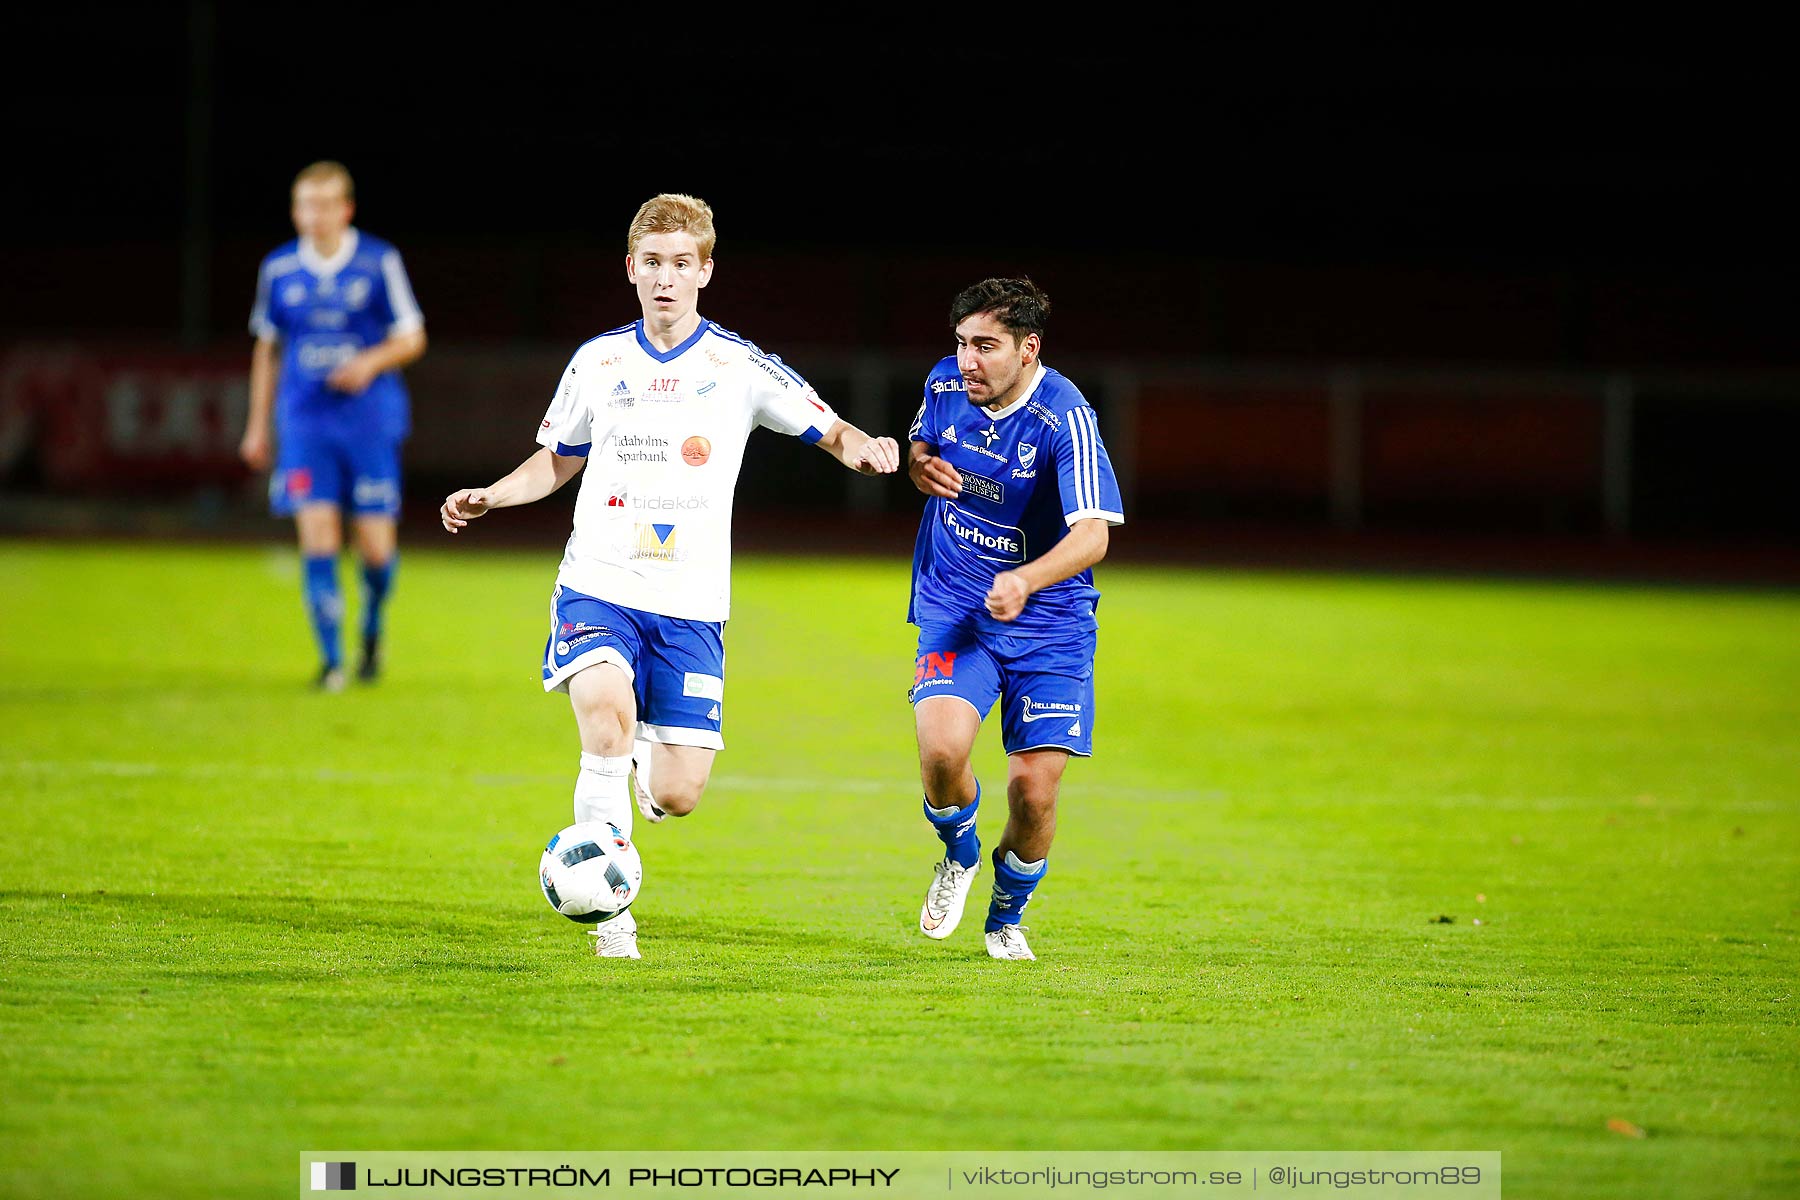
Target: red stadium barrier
{"x": 106, "y": 421}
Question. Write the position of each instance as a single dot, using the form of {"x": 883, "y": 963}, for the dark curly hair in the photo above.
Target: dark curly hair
{"x": 1017, "y": 304}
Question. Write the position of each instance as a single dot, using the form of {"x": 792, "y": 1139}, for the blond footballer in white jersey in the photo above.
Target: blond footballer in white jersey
{"x": 659, "y": 413}
{"x": 663, "y": 433}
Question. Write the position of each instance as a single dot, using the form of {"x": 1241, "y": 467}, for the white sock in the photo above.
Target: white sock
{"x": 603, "y": 791}
{"x": 1018, "y": 864}
{"x": 640, "y": 757}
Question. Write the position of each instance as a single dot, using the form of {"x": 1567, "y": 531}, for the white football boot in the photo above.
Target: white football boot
{"x": 616, "y": 938}
{"x": 640, "y": 782}
{"x": 943, "y": 908}
{"x": 1008, "y": 941}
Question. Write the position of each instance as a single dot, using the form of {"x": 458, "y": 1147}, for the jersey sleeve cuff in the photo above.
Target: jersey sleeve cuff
{"x": 549, "y": 442}
{"x": 406, "y": 325}
{"x": 1082, "y": 514}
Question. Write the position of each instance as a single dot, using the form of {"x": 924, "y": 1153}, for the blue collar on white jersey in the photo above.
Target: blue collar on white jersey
{"x": 669, "y": 355}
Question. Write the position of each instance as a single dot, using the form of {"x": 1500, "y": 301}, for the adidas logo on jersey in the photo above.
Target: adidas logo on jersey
{"x": 949, "y": 434}
{"x": 713, "y": 715}
{"x": 1075, "y": 729}
{"x": 621, "y": 396}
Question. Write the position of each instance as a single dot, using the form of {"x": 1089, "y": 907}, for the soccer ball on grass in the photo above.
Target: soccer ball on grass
{"x": 590, "y": 872}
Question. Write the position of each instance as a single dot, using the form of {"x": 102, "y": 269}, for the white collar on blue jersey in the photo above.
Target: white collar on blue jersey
{"x": 321, "y": 266}
{"x": 1037, "y": 381}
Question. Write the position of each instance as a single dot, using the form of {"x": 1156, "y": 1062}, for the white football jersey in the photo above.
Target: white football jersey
{"x": 664, "y": 434}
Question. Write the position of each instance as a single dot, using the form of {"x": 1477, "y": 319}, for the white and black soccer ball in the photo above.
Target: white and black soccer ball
{"x": 590, "y": 872}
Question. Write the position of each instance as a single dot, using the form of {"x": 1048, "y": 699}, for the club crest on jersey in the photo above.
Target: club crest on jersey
{"x": 356, "y": 294}
{"x": 1027, "y": 468}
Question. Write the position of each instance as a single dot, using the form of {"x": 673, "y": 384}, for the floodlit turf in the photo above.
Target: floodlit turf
{"x": 1383, "y": 864}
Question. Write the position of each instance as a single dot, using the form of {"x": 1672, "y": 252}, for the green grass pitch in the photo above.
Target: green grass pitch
{"x": 239, "y": 920}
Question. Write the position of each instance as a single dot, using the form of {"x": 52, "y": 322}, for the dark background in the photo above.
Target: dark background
{"x": 1557, "y": 204}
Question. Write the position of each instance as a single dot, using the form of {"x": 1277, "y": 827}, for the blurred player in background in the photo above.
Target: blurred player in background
{"x": 335, "y": 321}
{"x": 1021, "y": 498}
{"x": 659, "y": 412}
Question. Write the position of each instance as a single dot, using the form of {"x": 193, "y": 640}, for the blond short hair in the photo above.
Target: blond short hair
{"x": 673, "y": 212}
{"x": 324, "y": 170}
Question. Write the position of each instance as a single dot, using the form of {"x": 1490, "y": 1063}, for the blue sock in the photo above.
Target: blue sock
{"x": 958, "y": 831}
{"x": 324, "y": 604}
{"x": 377, "y": 579}
{"x": 1014, "y": 882}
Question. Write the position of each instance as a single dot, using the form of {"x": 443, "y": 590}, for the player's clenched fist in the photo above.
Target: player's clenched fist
{"x": 462, "y": 507}
{"x": 935, "y": 477}
{"x": 1006, "y": 599}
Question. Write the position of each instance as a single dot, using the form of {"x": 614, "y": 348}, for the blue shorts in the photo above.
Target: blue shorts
{"x": 1045, "y": 685}
{"x": 359, "y": 474}
{"x": 676, "y": 667}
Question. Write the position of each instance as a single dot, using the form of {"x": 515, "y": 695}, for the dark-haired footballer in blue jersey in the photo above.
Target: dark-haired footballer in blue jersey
{"x": 334, "y": 322}
{"x": 1021, "y": 498}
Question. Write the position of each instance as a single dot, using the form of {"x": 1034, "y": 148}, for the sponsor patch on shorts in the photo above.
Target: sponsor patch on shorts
{"x": 710, "y": 687}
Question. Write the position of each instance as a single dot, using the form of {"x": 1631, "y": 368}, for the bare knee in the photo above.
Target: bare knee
{"x": 1033, "y": 786}
{"x": 605, "y": 712}
{"x": 946, "y": 730}
{"x": 680, "y": 779}
{"x": 942, "y": 771}
{"x": 680, "y": 799}
{"x": 1033, "y": 798}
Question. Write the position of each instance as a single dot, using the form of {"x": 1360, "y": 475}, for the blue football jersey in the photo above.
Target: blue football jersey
{"x": 1029, "y": 471}
{"x": 325, "y": 310}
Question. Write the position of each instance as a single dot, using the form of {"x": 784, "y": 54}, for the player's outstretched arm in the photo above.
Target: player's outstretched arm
{"x": 930, "y": 473}
{"x": 1084, "y": 546}
{"x": 860, "y": 452}
{"x": 531, "y": 480}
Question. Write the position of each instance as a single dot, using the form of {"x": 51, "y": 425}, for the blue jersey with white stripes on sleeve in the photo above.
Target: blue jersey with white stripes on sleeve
{"x": 325, "y": 310}
{"x": 1029, "y": 471}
